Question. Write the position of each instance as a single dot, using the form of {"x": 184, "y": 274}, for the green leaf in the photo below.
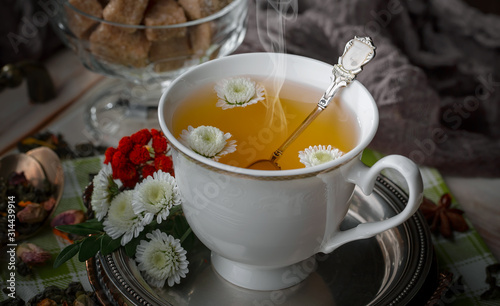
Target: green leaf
{"x": 83, "y": 229}
{"x": 90, "y": 247}
{"x": 176, "y": 210}
{"x": 180, "y": 226}
{"x": 113, "y": 188}
{"x": 93, "y": 223}
{"x": 109, "y": 245}
{"x": 67, "y": 253}
{"x": 176, "y": 225}
{"x": 150, "y": 227}
{"x": 166, "y": 226}
{"x": 132, "y": 245}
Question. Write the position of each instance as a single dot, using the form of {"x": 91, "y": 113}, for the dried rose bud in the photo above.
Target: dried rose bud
{"x": 32, "y": 213}
{"x": 32, "y": 254}
{"x": 49, "y": 204}
{"x": 69, "y": 217}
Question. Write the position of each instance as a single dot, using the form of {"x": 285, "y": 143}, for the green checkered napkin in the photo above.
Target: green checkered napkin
{"x": 467, "y": 255}
{"x": 76, "y": 178}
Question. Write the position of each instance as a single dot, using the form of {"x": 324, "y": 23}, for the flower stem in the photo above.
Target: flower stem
{"x": 186, "y": 234}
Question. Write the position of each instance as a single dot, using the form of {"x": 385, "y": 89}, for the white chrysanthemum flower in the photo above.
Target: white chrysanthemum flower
{"x": 104, "y": 189}
{"x": 317, "y": 155}
{"x": 161, "y": 259}
{"x": 238, "y": 92}
{"x": 208, "y": 141}
{"x": 156, "y": 195}
{"x": 121, "y": 220}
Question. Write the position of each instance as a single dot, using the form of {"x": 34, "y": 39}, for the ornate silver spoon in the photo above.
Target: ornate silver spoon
{"x": 357, "y": 52}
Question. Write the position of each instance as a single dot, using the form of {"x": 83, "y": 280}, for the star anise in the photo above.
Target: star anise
{"x": 442, "y": 218}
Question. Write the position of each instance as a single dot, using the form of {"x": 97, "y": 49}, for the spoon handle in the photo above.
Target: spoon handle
{"x": 357, "y": 53}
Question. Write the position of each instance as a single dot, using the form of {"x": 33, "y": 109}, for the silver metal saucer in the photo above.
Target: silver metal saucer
{"x": 388, "y": 269}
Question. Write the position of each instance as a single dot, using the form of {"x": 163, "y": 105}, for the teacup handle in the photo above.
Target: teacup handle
{"x": 365, "y": 178}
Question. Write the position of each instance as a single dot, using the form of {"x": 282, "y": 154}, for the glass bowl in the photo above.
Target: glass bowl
{"x": 142, "y": 46}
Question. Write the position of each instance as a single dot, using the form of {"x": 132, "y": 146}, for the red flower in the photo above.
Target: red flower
{"x": 125, "y": 145}
{"x": 155, "y": 132}
{"x": 109, "y": 155}
{"x": 141, "y": 137}
{"x": 128, "y": 175}
{"x": 139, "y": 155}
{"x": 119, "y": 159}
{"x": 148, "y": 170}
{"x": 130, "y": 161}
{"x": 159, "y": 144}
{"x": 164, "y": 163}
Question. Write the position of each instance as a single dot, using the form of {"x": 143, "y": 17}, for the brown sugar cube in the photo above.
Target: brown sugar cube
{"x": 121, "y": 47}
{"x": 79, "y": 24}
{"x": 171, "y": 54}
{"x": 176, "y": 46}
{"x": 125, "y": 12}
{"x": 196, "y": 9}
{"x": 200, "y": 37}
{"x": 164, "y": 12}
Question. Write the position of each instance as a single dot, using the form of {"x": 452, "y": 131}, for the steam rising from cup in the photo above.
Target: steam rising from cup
{"x": 271, "y": 34}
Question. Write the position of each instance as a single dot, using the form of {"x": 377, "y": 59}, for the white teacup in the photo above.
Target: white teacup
{"x": 264, "y": 227}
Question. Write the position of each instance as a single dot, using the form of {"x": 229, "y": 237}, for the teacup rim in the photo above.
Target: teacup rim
{"x": 307, "y": 171}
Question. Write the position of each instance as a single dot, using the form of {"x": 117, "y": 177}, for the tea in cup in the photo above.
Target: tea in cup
{"x": 264, "y": 227}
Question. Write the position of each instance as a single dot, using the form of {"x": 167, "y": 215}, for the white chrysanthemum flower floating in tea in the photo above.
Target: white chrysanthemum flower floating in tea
{"x": 156, "y": 195}
{"x": 104, "y": 190}
{"x": 122, "y": 221}
{"x": 318, "y": 155}
{"x": 161, "y": 259}
{"x": 208, "y": 141}
{"x": 238, "y": 92}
